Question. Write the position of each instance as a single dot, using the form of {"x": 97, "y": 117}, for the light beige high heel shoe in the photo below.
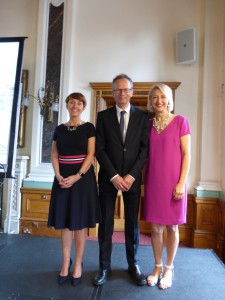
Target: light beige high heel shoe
{"x": 152, "y": 280}
{"x": 167, "y": 279}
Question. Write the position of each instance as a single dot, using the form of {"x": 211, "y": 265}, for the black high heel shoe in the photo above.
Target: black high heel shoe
{"x": 62, "y": 279}
{"x": 77, "y": 280}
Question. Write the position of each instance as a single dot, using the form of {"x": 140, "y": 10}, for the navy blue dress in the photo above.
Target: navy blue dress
{"x": 76, "y": 207}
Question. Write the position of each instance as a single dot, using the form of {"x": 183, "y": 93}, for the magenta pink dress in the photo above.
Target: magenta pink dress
{"x": 162, "y": 175}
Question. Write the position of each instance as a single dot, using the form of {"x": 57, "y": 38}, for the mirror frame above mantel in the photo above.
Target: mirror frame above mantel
{"x": 104, "y": 98}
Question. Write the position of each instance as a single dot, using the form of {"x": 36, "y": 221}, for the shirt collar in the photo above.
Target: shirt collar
{"x": 118, "y": 109}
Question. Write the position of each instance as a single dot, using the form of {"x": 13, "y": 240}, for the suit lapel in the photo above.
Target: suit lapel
{"x": 115, "y": 124}
{"x": 131, "y": 122}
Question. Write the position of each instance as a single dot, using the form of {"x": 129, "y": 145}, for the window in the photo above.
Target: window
{"x": 11, "y": 56}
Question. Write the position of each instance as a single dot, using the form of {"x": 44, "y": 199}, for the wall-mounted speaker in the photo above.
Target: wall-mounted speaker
{"x": 186, "y": 46}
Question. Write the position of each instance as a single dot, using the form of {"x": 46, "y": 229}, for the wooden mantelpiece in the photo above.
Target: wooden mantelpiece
{"x": 104, "y": 98}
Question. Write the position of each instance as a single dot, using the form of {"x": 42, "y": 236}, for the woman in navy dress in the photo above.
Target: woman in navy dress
{"x": 74, "y": 205}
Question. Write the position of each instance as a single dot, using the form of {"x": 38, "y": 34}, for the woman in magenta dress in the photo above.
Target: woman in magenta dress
{"x": 165, "y": 194}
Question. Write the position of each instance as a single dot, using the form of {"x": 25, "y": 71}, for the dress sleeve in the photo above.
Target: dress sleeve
{"x": 184, "y": 127}
{"x": 91, "y": 130}
{"x": 54, "y": 138}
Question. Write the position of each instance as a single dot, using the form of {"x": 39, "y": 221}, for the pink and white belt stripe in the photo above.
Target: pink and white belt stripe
{"x": 73, "y": 159}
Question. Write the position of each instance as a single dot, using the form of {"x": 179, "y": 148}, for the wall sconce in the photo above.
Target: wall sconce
{"x": 46, "y": 99}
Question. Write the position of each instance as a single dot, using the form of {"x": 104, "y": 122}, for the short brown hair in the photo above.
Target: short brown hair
{"x": 122, "y": 76}
{"x": 77, "y": 96}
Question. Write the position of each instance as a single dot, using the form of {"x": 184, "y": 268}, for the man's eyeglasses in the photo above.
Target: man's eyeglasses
{"x": 119, "y": 91}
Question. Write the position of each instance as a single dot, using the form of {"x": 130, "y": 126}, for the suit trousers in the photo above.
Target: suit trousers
{"x": 131, "y": 207}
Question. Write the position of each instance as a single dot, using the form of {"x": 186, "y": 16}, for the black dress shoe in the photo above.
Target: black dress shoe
{"x": 137, "y": 275}
{"x": 101, "y": 277}
{"x": 62, "y": 279}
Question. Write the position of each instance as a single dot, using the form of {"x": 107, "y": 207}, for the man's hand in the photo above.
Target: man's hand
{"x": 120, "y": 184}
{"x": 129, "y": 180}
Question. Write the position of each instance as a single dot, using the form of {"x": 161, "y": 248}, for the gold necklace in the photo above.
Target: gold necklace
{"x": 72, "y": 128}
{"x": 160, "y": 127}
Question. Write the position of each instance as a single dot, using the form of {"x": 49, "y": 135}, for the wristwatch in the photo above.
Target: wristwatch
{"x": 81, "y": 174}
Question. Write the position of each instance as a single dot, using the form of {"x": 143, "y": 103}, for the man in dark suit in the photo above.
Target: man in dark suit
{"x": 121, "y": 150}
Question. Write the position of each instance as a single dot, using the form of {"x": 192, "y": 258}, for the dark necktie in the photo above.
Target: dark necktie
{"x": 122, "y": 113}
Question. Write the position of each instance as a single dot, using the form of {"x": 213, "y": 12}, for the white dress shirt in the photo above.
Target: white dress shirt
{"x": 126, "y": 117}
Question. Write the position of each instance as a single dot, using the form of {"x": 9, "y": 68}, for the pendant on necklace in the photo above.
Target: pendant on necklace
{"x": 160, "y": 127}
{"x": 73, "y": 128}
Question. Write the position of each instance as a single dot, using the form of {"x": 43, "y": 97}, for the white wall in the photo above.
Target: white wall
{"x": 223, "y": 148}
{"x": 223, "y": 123}
{"x": 136, "y": 37}
{"x": 222, "y": 99}
{"x": 210, "y": 101}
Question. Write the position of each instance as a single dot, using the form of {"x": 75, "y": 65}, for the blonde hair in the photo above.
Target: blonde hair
{"x": 166, "y": 90}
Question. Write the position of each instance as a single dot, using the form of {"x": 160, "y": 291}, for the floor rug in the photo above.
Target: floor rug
{"x": 119, "y": 238}
{"x": 29, "y": 267}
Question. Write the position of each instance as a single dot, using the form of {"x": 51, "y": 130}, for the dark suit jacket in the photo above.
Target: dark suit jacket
{"x": 116, "y": 157}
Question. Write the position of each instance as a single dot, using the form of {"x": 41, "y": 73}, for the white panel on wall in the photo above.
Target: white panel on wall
{"x": 186, "y": 46}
